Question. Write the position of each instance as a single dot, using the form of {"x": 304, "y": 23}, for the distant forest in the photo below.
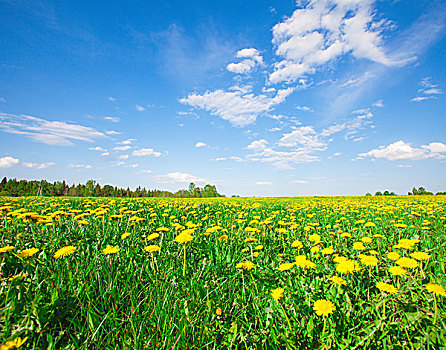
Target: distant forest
{"x": 16, "y": 188}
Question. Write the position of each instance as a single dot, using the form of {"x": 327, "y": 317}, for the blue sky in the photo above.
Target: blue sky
{"x": 260, "y": 98}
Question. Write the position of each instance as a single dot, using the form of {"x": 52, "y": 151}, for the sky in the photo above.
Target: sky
{"x": 260, "y": 98}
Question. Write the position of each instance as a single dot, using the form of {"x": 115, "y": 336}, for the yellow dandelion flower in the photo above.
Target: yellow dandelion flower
{"x": 218, "y": 312}
{"x": 125, "y": 235}
{"x": 407, "y": 263}
{"x": 339, "y": 259}
{"x": 152, "y": 248}
{"x": 315, "y": 249}
{"x": 152, "y": 236}
{"x": 223, "y": 238}
{"x": 277, "y": 293}
{"x": 162, "y": 229}
{"x": 28, "y": 252}
{"x": 259, "y": 247}
{"x": 184, "y": 238}
{"x": 436, "y": 289}
{"x": 249, "y": 240}
{"x": 393, "y": 256}
{"x": 65, "y": 251}
{"x": 6, "y": 249}
{"x": 327, "y": 251}
{"x": 397, "y": 271}
{"x": 369, "y": 260}
{"x": 286, "y": 266}
{"x": 13, "y": 344}
{"x": 110, "y": 250}
{"x": 358, "y": 246}
{"x": 314, "y": 238}
{"x": 244, "y": 250}
{"x": 324, "y": 307}
{"x": 420, "y": 256}
{"x": 338, "y": 280}
{"x": 297, "y": 244}
{"x": 255, "y": 254}
{"x": 366, "y": 239}
{"x": 385, "y": 287}
{"x": 373, "y": 252}
{"x": 369, "y": 224}
{"x": 347, "y": 267}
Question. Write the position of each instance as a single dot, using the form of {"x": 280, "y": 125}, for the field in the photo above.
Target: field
{"x": 249, "y": 273}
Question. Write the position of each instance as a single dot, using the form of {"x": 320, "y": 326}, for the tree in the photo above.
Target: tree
{"x": 191, "y": 189}
{"x": 368, "y": 194}
{"x": 378, "y": 193}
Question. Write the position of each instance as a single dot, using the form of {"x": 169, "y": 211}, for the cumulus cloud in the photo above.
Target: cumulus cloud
{"x": 112, "y": 119}
{"x": 49, "y": 132}
{"x": 299, "y": 182}
{"x": 321, "y": 31}
{"x": 112, "y": 132}
{"x": 124, "y": 156}
{"x": 251, "y": 58}
{"x": 378, "y": 103}
{"x": 121, "y": 148}
{"x": 143, "y": 152}
{"x": 97, "y": 148}
{"x": 126, "y": 142}
{"x": 37, "y": 165}
{"x": 303, "y": 136}
{"x": 80, "y": 166}
{"x": 140, "y": 108}
{"x": 180, "y": 177}
{"x": 237, "y": 107}
{"x": 8, "y": 162}
{"x": 256, "y": 145}
{"x": 401, "y": 150}
{"x": 264, "y": 183}
{"x": 200, "y": 144}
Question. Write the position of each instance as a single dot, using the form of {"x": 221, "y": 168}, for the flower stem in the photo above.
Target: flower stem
{"x": 286, "y": 316}
{"x": 184, "y": 262}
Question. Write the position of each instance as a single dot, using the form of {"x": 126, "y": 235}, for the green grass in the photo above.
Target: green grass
{"x": 128, "y": 300}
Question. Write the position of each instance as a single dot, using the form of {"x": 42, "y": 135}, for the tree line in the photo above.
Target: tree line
{"x": 16, "y": 188}
{"x": 420, "y": 191}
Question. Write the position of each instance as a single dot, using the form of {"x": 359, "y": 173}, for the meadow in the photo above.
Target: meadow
{"x": 226, "y": 273}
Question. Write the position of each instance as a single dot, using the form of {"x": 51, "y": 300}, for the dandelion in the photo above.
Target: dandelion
{"x": 338, "y": 280}
{"x": 259, "y": 247}
{"x": 125, "y": 235}
{"x": 65, "y": 251}
{"x": 110, "y": 250}
{"x": 369, "y": 260}
{"x": 6, "y": 249}
{"x": 13, "y": 344}
{"x": 393, "y": 256}
{"x": 218, "y": 312}
{"x": 435, "y": 289}
{"x": 369, "y": 224}
{"x": 347, "y": 267}
{"x": 152, "y": 236}
{"x": 251, "y": 239}
{"x": 315, "y": 249}
{"x": 277, "y": 293}
{"x": 285, "y": 266}
{"x": 297, "y": 244}
{"x": 407, "y": 263}
{"x": 397, "y": 271}
{"x": 327, "y": 251}
{"x": 28, "y": 252}
{"x": 184, "y": 238}
{"x": 223, "y": 238}
{"x": 366, "y": 239}
{"x": 152, "y": 248}
{"x": 420, "y": 256}
{"x": 247, "y": 265}
{"x": 358, "y": 246}
{"x": 324, "y": 307}
{"x": 385, "y": 287}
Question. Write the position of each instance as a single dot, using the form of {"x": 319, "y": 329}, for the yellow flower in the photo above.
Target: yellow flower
{"x": 6, "y": 249}
{"x": 397, "y": 271}
{"x": 358, "y": 246}
{"x": 277, "y": 293}
{"x": 218, "y": 312}
{"x": 315, "y": 238}
{"x": 324, "y": 307}
{"x": 369, "y": 224}
{"x": 247, "y": 265}
{"x": 393, "y": 256}
{"x": 385, "y": 287}
{"x": 28, "y": 252}
{"x": 110, "y": 250}
{"x": 369, "y": 260}
{"x": 315, "y": 249}
{"x": 244, "y": 250}
{"x": 13, "y": 344}
{"x": 297, "y": 244}
{"x": 373, "y": 252}
{"x": 183, "y": 238}
{"x": 125, "y": 235}
{"x": 407, "y": 263}
{"x": 436, "y": 289}
{"x": 259, "y": 247}
{"x": 65, "y": 251}
{"x": 420, "y": 255}
{"x": 286, "y": 266}
{"x": 223, "y": 238}
{"x": 338, "y": 280}
{"x": 152, "y": 248}
{"x": 366, "y": 239}
{"x": 327, "y": 251}
{"x": 152, "y": 236}
{"x": 162, "y": 229}
{"x": 255, "y": 254}
{"x": 347, "y": 266}
{"x": 248, "y": 240}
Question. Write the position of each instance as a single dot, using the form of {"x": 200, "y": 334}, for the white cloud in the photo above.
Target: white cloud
{"x": 200, "y": 144}
{"x": 124, "y": 156}
{"x": 179, "y": 177}
{"x": 121, "y": 148}
{"x": 140, "y": 108}
{"x": 404, "y": 166}
{"x": 119, "y": 163}
{"x": 105, "y": 154}
{"x": 112, "y": 132}
{"x": 133, "y": 165}
{"x": 38, "y": 166}
{"x": 2, "y": 99}
{"x": 337, "y": 154}
{"x": 421, "y": 98}
{"x": 220, "y": 159}
{"x": 237, "y": 107}
{"x": 8, "y": 162}
{"x": 401, "y": 150}
{"x": 378, "y": 103}
{"x": 258, "y": 144}
{"x": 304, "y": 109}
{"x": 324, "y": 30}
{"x": 264, "y": 183}
{"x": 299, "y": 182}
{"x": 251, "y": 59}
{"x": 145, "y": 171}
{"x": 112, "y": 99}
{"x": 126, "y": 142}
{"x": 97, "y": 148}
{"x": 428, "y": 90}
{"x": 48, "y": 132}
{"x": 303, "y": 136}
{"x": 146, "y": 152}
{"x": 80, "y": 166}
{"x": 112, "y": 119}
